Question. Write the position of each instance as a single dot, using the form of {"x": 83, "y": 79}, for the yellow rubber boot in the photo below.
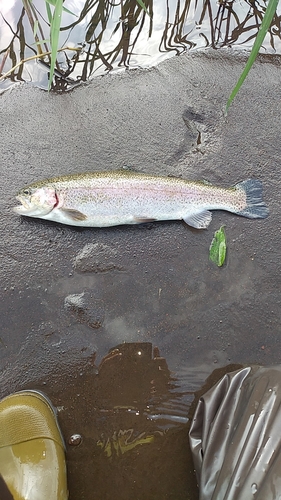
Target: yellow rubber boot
{"x": 32, "y": 460}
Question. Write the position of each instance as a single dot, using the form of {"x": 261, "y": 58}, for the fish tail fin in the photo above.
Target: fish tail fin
{"x": 255, "y": 208}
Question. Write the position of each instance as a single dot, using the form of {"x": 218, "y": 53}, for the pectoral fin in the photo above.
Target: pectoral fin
{"x": 199, "y": 220}
{"x": 73, "y": 214}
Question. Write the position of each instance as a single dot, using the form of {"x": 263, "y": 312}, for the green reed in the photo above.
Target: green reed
{"x": 266, "y": 22}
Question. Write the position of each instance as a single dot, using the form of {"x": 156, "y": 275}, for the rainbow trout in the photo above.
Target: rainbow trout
{"x": 102, "y": 199}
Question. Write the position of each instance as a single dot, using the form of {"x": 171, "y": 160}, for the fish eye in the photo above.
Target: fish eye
{"x": 27, "y": 191}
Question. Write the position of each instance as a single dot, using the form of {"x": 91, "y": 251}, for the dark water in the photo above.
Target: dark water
{"x": 101, "y": 36}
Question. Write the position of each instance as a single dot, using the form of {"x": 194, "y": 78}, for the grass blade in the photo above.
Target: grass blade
{"x": 142, "y": 5}
{"x": 53, "y": 2}
{"x": 55, "y": 33}
{"x": 268, "y": 16}
{"x": 49, "y": 12}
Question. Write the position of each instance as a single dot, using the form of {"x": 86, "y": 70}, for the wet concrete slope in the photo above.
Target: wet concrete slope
{"x": 68, "y": 296}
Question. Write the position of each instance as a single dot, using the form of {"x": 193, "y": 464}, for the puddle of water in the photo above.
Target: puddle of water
{"x": 126, "y": 419}
{"x": 124, "y": 416}
{"x": 103, "y": 37}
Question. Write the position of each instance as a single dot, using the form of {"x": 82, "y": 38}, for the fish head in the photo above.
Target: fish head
{"x": 36, "y": 201}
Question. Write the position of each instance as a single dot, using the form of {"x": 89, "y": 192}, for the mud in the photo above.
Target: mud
{"x": 69, "y": 296}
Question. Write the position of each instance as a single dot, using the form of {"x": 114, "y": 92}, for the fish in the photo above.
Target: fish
{"x": 103, "y": 199}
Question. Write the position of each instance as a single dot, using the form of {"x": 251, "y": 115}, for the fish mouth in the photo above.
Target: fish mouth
{"x": 31, "y": 209}
{"x": 23, "y": 208}
{"x": 20, "y": 209}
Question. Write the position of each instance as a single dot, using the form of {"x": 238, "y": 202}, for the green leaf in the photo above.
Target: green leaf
{"x": 49, "y": 12}
{"x": 217, "y": 251}
{"x": 268, "y": 16}
{"x": 54, "y": 2}
{"x": 140, "y": 2}
{"x": 55, "y": 33}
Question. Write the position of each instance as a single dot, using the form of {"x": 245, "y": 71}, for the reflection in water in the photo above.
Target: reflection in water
{"x": 146, "y": 387}
{"x": 144, "y": 393}
{"x": 119, "y": 423}
{"x": 106, "y": 36}
{"x": 142, "y": 422}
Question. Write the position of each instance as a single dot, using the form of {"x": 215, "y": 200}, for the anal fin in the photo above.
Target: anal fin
{"x": 73, "y": 214}
{"x": 141, "y": 220}
{"x": 199, "y": 220}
